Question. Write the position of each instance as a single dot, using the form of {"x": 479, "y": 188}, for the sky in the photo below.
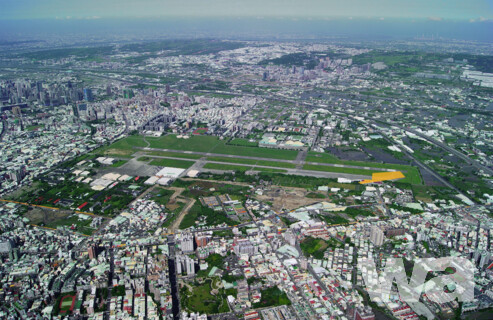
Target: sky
{"x": 435, "y": 10}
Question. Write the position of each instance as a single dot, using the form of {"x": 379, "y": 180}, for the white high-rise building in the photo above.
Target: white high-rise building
{"x": 376, "y": 236}
{"x": 186, "y": 243}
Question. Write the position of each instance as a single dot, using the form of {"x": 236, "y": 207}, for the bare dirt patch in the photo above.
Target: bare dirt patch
{"x": 46, "y": 216}
{"x": 288, "y": 198}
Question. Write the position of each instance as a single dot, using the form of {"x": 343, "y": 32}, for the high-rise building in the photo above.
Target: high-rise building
{"x": 88, "y": 94}
{"x": 365, "y": 313}
{"x": 190, "y": 266}
{"x": 201, "y": 241}
{"x": 6, "y": 245}
{"x": 16, "y": 110}
{"x": 376, "y": 236}
{"x": 128, "y": 93}
{"x": 93, "y": 252}
{"x": 186, "y": 242}
{"x": 485, "y": 258}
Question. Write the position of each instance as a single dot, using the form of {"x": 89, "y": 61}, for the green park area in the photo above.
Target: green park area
{"x": 316, "y": 247}
{"x": 210, "y": 217}
{"x": 207, "y": 295}
{"x": 272, "y": 297}
{"x": 200, "y": 298}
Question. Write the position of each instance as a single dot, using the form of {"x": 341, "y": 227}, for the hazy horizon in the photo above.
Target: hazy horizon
{"x": 471, "y": 10}
{"x": 245, "y": 28}
{"x": 253, "y": 19}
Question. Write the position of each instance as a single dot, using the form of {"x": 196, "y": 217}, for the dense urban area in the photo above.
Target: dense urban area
{"x": 210, "y": 179}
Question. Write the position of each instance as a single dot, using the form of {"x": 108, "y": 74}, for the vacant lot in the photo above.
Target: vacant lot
{"x": 290, "y": 198}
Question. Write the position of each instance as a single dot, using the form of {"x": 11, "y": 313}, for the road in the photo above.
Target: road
{"x": 176, "y": 224}
{"x": 444, "y": 146}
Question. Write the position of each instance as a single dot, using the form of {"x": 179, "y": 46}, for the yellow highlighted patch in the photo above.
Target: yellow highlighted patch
{"x": 383, "y": 176}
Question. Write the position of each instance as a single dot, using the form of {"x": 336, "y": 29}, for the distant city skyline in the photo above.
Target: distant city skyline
{"x": 435, "y": 10}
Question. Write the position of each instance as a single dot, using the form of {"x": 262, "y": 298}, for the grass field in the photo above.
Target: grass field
{"x": 201, "y": 300}
{"x": 317, "y": 167}
{"x": 172, "y": 163}
{"x": 194, "y": 143}
{"x": 270, "y": 170}
{"x": 126, "y": 147}
{"x": 220, "y": 166}
{"x": 119, "y": 163}
{"x": 66, "y": 303}
{"x": 272, "y": 296}
{"x": 243, "y": 142}
{"x": 123, "y": 147}
{"x": 214, "y": 145}
{"x": 412, "y": 173}
{"x": 173, "y": 154}
{"x": 253, "y": 162}
{"x": 314, "y": 247}
{"x": 35, "y": 127}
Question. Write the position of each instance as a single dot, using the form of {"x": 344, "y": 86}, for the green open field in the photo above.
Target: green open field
{"x": 243, "y": 142}
{"x": 173, "y": 154}
{"x": 271, "y": 297}
{"x": 123, "y": 147}
{"x": 269, "y": 170}
{"x": 317, "y": 167}
{"x": 66, "y": 303}
{"x": 172, "y": 163}
{"x": 220, "y": 166}
{"x": 35, "y": 127}
{"x": 126, "y": 147}
{"x": 119, "y": 163}
{"x": 81, "y": 225}
{"x": 253, "y": 162}
{"x": 214, "y": 145}
{"x": 412, "y": 173}
{"x": 201, "y": 300}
